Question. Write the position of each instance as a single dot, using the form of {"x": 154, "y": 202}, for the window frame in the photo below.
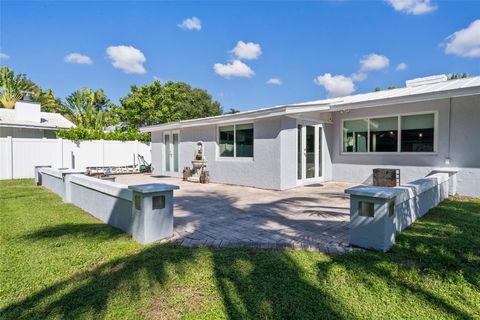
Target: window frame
{"x": 219, "y": 157}
{"x": 399, "y": 140}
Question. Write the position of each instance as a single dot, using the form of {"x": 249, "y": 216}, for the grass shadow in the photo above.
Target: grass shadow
{"x": 97, "y": 231}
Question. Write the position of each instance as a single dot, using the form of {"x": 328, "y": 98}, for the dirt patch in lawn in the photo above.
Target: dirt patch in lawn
{"x": 173, "y": 303}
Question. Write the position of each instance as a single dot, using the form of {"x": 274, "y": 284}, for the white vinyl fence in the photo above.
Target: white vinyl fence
{"x": 18, "y": 156}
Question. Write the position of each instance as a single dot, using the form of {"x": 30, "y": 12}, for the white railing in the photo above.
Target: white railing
{"x": 18, "y": 156}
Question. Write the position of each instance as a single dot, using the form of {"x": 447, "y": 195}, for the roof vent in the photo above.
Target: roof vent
{"x": 426, "y": 80}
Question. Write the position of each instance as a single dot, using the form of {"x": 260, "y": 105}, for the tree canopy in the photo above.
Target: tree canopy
{"x": 89, "y": 109}
{"x": 232, "y": 111}
{"x": 92, "y": 112}
{"x": 156, "y": 103}
{"x": 454, "y": 76}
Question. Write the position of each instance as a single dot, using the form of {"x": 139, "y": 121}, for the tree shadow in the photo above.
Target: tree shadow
{"x": 265, "y": 283}
{"x": 442, "y": 245}
{"x": 213, "y": 217}
{"x": 270, "y": 284}
{"x": 98, "y": 231}
{"x": 88, "y": 293}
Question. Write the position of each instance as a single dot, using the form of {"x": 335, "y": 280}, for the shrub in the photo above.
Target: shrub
{"x": 79, "y": 133}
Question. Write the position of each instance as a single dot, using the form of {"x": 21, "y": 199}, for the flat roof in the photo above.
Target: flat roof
{"x": 418, "y": 90}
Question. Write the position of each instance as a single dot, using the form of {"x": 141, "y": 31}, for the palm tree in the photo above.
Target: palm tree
{"x": 87, "y": 109}
{"x": 49, "y": 102}
{"x": 13, "y": 87}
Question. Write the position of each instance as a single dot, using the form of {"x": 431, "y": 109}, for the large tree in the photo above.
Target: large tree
{"x": 157, "y": 103}
{"x": 88, "y": 109}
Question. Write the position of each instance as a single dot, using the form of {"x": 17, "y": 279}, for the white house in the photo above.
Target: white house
{"x": 431, "y": 123}
{"x": 27, "y": 121}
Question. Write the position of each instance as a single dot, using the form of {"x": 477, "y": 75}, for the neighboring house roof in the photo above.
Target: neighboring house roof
{"x": 429, "y": 88}
{"x": 48, "y": 120}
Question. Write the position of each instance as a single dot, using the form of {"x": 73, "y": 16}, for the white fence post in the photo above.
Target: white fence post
{"x": 60, "y": 148}
{"x": 135, "y": 156}
{"x": 102, "y": 147}
{"x": 10, "y": 157}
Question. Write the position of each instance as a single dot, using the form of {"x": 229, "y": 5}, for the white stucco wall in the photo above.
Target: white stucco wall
{"x": 288, "y": 153}
{"x": 275, "y": 152}
{"x": 263, "y": 171}
{"x": 464, "y": 140}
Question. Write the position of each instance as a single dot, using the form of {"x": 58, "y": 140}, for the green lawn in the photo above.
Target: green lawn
{"x": 58, "y": 262}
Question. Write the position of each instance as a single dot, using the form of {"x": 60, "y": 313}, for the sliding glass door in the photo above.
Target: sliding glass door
{"x": 309, "y": 153}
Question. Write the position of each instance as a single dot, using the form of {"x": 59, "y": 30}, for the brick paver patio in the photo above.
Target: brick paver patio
{"x": 218, "y": 215}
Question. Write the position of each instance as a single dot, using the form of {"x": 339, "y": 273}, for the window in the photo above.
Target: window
{"x": 244, "y": 140}
{"x": 226, "y": 141}
{"x": 384, "y": 134}
{"x": 408, "y": 133}
{"x": 355, "y": 135}
{"x": 417, "y": 133}
{"x": 236, "y": 141}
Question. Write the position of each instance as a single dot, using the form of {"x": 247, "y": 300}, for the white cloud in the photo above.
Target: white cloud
{"x": 4, "y": 56}
{"x": 401, "y": 66}
{"x": 336, "y": 86}
{"x": 78, "y": 58}
{"x": 275, "y": 81}
{"x": 192, "y": 23}
{"x": 127, "y": 58}
{"x": 359, "y": 76}
{"x": 236, "y": 68}
{"x": 374, "y": 62}
{"x": 465, "y": 42}
{"x": 247, "y": 51}
{"x": 415, "y": 7}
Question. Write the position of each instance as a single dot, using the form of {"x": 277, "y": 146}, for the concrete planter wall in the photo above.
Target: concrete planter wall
{"x": 378, "y": 213}
{"x": 107, "y": 201}
{"x": 144, "y": 211}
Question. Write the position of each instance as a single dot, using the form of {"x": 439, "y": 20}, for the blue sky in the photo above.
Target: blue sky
{"x": 312, "y": 49}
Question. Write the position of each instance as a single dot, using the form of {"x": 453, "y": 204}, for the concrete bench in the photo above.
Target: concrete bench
{"x": 378, "y": 213}
{"x": 144, "y": 211}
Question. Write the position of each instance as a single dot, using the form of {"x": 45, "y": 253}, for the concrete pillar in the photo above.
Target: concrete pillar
{"x": 372, "y": 217}
{"x": 38, "y": 175}
{"x": 67, "y": 174}
{"x": 152, "y": 211}
{"x": 452, "y": 179}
